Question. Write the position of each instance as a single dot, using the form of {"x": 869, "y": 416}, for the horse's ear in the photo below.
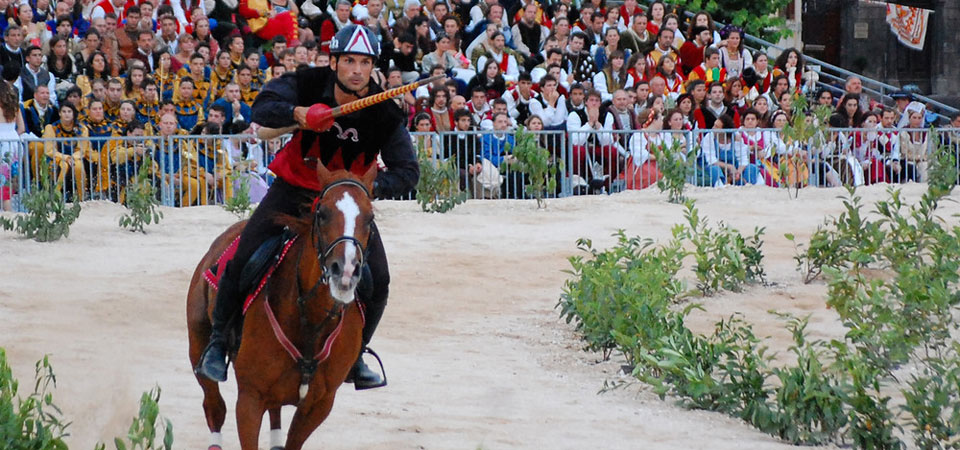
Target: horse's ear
{"x": 369, "y": 177}
{"x": 323, "y": 174}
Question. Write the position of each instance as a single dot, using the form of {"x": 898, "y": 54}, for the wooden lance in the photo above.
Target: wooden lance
{"x": 322, "y": 116}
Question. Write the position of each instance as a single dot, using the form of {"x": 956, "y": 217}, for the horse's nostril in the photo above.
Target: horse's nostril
{"x": 335, "y": 269}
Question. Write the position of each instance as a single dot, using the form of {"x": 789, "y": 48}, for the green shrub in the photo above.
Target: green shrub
{"x": 675, "y": 164}
{"x": 439, "y": 187}
{"x": 48, "y": 217}
{"x": 34, "y": 422}
{"x": 141, "y": 200}
{"x": 724, "y": 259}
{"x": 239, "y": 203}
{"x": 147, "y": 427}
{"x": 534, "y": 161}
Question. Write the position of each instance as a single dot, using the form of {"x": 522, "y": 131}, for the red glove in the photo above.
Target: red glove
{"x": 320, "y": 117}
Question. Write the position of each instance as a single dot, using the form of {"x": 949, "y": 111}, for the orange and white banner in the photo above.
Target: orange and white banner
{"x": 909, "y": 24}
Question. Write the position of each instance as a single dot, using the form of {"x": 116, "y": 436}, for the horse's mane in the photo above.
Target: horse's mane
{"x": 298, "y": 224}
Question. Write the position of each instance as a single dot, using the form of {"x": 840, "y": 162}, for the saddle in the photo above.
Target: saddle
{"x": 256, "y": 273}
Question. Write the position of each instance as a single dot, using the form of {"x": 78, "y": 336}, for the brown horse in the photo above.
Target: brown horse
{"x": 307, "y": 310}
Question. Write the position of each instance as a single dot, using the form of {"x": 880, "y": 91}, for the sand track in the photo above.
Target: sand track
{"x": 472, "y": 343}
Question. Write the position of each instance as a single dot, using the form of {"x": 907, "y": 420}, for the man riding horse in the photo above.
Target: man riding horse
{"x": 350, "y": 142}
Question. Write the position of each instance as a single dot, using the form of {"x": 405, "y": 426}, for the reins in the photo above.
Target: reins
{"x": 308, "y": 365}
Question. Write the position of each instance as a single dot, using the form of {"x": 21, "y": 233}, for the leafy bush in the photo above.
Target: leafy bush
{"x": 48, "y": 217}
{"x": 142, "y": 201}
{"x": 439, "y": 187}
{"x": 34, "y": 422}
{"x": 757, "y": 18}
{"x": 674, "y": 163}
{"x": 239, "y": 203}
{"x": 147, "y": 427}
{"x": 534, "y": 161}
{"x": 724, "y": 259}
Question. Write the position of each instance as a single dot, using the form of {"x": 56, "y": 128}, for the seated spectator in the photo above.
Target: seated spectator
{"x": 734, "y": 96}
{"x": 221, "y": 75}
{"x": 758, "y": 78}
{"x": 888, "y": 145}
{"x": 663, "y": 47}
{"x": 519, "y": 98}
{"x": 149, "y": 105}
{"x": 506, "y": 62}
{"x": 498, "y": 106}
{"x": 854, "y": 85}
{"x": 751, "y": 143}
{"x": 59, "y": 63}
{"x": 490, "y": 80}
{"x": 637, "y": 38}
{"x": 554, "y": 57}
{"x": 478, "y": 106}
{"x": 10, "y": 52}
{"x": 613, "y": 77}
{"x": 71, "y": 160}
{"x": 189, "y": 109}
{"x": 38, "y": 111}
{"x": 762, "y": 106}
{"x": 112, "y": 99}
{"x": 848, "y": 113}
{"x": 734, "y": 57}
{"x": 214, "y": 164}
{"x": 713, "y": 108}
{"x": 133, "y": 82}
{"x": 672, "y": 80}
{"x": 692, "y": 51}
{"x": 716, "y": 161}
{"x": 464, "y": 147}
{"x": 177, "y": 162}
{"x": 126, "y": 159}
{"x": 446, "y": 56}
{"x": 33, "y": 75}
{"x": 611, "y": 44}
{"x": 914, "y": 148}
{"x": 550, "y": 106}
{"x": 637, "y": 68}
{"x": 405, "y": 58}
{"x": 865, "y": 149}
{"x": 186, "y": 47}
{"x": 595, "y": 156}
{"x": 578, "y": 61}
{"x": 780, "y": 85}
{"x": 422, "y": 35}
{"x": 426, "y": 141}
{"x": 441, "y": 117}
{"x": 530, "y": 35}
{"x": 494, "y": 147}
{"x": 96, "y": 69}
{"x": 790, "y": 161}
{"x": 621, "y": 118}
{"x": 790, "y": 63}
{"x": 709, "y": 71}
{"x": 199, "y": 73}
{"x": 612, "y": 21}
{"x": 641, "y": 168}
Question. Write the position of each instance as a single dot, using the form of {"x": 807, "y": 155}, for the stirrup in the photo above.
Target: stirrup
{"x": 383, "y": 373}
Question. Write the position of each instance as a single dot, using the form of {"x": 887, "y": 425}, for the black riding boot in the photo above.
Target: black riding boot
{"x": 213, "y": 363}
{"x": 362, "y": 376}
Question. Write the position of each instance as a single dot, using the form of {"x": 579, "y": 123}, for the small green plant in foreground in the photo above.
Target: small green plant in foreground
{"x": 534, "y": 161}
{"x": 34, "y": 422}
{"x": 674, "y": 163}
{"x": 239, "y": 203}
{"x": 147, "y": 427}
{"x": 439, "y": 187}
{"x": 141, "y": 200}
{"x": 725, "y": 259}
{"x": 48, "y": 217}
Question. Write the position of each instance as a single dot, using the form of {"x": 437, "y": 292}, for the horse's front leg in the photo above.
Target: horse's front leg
{"x": 306, "y": 420}
{"x": 250, "y": 411}
{"x": 276, "y": 436}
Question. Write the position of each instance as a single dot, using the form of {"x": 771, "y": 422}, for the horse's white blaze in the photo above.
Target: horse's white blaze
{"x": 348, "y": 206}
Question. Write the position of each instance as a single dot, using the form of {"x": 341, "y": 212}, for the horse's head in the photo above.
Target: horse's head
{"x": 342, "y": 221}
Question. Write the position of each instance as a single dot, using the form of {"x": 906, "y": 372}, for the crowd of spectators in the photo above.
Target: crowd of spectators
{"x": 617, "y": 81}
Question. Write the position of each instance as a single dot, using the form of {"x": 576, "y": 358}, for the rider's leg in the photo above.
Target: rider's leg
{"x": 281, "y": 198}
{"x": 361, "y": 375}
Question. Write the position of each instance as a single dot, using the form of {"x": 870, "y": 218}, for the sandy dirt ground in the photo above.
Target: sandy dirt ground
{"x": 475, "y": 351}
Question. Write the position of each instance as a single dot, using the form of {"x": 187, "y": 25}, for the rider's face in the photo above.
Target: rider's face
{"x": 353, "y": 70}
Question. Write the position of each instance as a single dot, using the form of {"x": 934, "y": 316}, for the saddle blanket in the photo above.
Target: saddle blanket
{"x": 214, "y": 273}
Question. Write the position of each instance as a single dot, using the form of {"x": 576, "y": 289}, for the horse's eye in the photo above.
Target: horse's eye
{"x": 323, "y": 215}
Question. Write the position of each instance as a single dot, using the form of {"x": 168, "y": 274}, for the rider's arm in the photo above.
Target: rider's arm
{"x": 274, "y": 105}
{"x": 403, "y": 171}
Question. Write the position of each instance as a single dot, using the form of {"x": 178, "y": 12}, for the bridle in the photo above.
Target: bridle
{"x": 314, "y": 331}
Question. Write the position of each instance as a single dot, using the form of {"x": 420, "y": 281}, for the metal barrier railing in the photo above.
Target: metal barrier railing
{"x": 204, "y": 170}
